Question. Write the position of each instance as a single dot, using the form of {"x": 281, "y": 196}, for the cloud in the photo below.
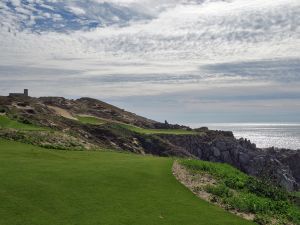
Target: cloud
{"x": 283, "y": 70}
{"x": 77, "y": 10}
{"x": 233, "y": 54}
{"x": 16, "y": 2}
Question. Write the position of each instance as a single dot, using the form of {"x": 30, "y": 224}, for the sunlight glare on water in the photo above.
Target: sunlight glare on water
{"x": 263, "y": 135}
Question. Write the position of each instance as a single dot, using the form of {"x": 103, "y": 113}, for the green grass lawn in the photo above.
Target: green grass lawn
{"x": 157, "y": 131}
{"x": 99, "y": 121}
{"x": 50, "y": 187}
{"x": 6, "y": 122}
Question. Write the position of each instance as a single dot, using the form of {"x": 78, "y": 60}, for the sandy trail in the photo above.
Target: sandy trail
{"x": 62, "y": 112}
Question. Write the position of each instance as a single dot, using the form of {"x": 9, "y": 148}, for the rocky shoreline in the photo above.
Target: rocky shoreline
{"x": 280, "y": 166}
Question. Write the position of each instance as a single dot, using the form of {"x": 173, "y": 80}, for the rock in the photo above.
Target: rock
{"x": 217, "y": 152}
{"x": 279, "y": 166}
{"x": 226, "y": 157}
{"x": 201, "y": 129}
{"x": 212, "y": 159}
{"x": 287, "y": 182}
{"x": 221, "y": 145}
{"x": 243, "y": 158}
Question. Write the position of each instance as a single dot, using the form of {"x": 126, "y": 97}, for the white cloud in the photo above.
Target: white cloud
{"x": 16, "y": 2}
{"x": 209, "y": 32}
{"x": 77, "y": 10}
{"x": 185, "y": 47}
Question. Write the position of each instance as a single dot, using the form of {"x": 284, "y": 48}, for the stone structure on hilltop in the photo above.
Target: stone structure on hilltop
{"x": 25, "y": 94}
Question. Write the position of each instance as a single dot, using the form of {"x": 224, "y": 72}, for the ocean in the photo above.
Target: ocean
{"x": 263, "y": 134}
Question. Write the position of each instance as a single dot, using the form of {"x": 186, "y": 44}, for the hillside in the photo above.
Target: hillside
{"x": 87, "y": 124}
{"x": 241, "y": 194}
{"x": 94, "y": 188}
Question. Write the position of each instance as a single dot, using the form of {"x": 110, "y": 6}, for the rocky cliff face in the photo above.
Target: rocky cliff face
{"x": 278, "y": 165}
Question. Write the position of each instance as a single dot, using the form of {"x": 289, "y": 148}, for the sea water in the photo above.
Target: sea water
{"x": 263, "y": 134}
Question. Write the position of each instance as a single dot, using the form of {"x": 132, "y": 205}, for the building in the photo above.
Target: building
{"x": 25, "y": 94}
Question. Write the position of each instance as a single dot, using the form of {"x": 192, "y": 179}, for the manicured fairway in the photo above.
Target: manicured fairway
{"x": 99, "y": 121}
{"x": 158, "y": 131}
{"x": 50, "y": 187}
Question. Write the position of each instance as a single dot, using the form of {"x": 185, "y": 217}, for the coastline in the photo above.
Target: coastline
{"x": 264, "y": 135}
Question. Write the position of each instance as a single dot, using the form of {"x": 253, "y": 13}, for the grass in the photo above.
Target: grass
{"x": 90, "y": 120}
{"x": 297, "y": 194}
{"x": 47, "y": 187}
{"x": 158, "y": 131}
{"x": 99, "y": 121}
{"x": 6, "y": 122}
{"x": 247, "y": 194}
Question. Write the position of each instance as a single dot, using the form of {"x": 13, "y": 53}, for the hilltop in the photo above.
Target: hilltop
{"x": 85, "y": 124}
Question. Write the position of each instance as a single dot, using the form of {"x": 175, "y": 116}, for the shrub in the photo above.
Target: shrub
{"x": 262, "y": 219}
{"x": 248, "y": 202}
{"x": 220, "y": 190}
{"x": 25, "y": 121}
{"x": 232, "y": 177}
{"x": 265, "y": 189}
{"x": 2, "y": 109}
{"x": 293, "y": 214}
{"x": 247, "y": 194}
{"x": 235, "y": 182}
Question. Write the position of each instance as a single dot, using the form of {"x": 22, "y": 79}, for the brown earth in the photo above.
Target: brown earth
{"x": 62, "y": 112}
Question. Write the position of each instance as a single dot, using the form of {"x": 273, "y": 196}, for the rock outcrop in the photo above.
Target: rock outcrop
{"x": 278, "y": 165}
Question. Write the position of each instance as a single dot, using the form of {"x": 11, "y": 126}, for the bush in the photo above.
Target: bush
{"x": 265, "y": 189}
{"x": 2, "y": 109}
{"x": 248, "y": 202}
{"x": 220, "y": 190}
{"x": 231, "y": 176}
{"x": 262, "y": 219}
{"x": 247, "y": 194}
{"x": 293, "y": 214}
{"x": 24, "y": 120}
{"x": 235, "y": 182}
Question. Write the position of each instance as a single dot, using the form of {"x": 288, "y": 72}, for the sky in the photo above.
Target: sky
{"x": 186, "y": 61}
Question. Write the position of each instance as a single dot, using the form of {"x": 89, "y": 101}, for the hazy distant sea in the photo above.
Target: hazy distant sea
{"x": 263, "y": 135}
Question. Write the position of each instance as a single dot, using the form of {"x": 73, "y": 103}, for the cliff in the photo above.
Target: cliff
{"x": 277, "y": 165}
{"x": 125, "y": 131}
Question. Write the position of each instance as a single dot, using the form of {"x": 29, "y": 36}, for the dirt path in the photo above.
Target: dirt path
{"x": 197, "y": 182}
{"x": 62, "y": 112}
